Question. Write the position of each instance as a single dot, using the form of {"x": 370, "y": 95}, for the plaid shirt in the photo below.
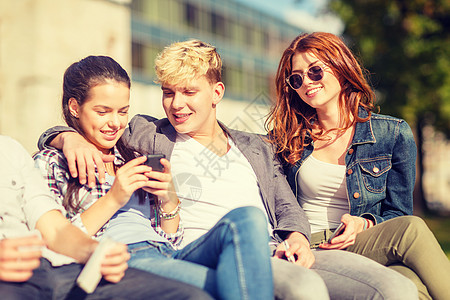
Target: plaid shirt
{"x": 54, "y": 168}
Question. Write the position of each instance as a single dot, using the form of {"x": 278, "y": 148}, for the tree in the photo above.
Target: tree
{"x": 405, "y": 45}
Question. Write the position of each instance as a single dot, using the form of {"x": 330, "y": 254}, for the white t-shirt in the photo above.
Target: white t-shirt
{"x": 323, "y": 193}
{"x": 209, "y": 186}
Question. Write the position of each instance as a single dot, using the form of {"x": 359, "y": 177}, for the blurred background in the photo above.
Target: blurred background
{"x": 404, "y": 45}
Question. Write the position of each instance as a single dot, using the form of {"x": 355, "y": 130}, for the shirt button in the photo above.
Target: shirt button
{"x": 356, "y": 195}
{"x": 350, "y": 172}
{"x": 13, "y": 182}
{"x": 350, "y": 151}
{"x": 375, "y": 170}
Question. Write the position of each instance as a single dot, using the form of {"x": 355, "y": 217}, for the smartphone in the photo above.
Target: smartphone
{"x": 337, "y": 232}
{"x": 154, "y": 161}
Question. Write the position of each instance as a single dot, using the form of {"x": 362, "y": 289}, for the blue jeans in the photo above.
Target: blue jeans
{"x": 230, "y": 261}
{"x": 50, "y": 282}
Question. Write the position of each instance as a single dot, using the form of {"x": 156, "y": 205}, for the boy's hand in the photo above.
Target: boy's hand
{"x": 82, "y": 157}
{"x": 162, "y": 186}
{"x": 299, "y": 248}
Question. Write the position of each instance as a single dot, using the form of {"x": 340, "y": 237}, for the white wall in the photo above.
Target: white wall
{"x": 39, "y": 39}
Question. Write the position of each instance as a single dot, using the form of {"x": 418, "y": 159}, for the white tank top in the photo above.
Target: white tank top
{"x": 322, "y": 193}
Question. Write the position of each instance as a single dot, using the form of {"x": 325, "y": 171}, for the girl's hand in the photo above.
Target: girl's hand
{"x": 129, "y": 178}
{"x": 353, "y": 226}
{"x": 161, "y": 185}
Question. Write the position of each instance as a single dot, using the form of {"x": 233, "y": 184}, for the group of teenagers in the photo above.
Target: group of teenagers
{"x": 258, "y": 229}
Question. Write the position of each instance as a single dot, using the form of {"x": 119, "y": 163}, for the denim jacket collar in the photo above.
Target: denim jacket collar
{"x": 363, "y": 134}
{"x": 363, "y": 131}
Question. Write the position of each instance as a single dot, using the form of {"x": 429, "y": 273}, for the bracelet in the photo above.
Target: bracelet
{"x": 366, "y": 224}
{"x": 169, "y": 215}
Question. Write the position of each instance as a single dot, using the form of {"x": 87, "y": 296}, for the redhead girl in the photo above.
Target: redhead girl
{"x": 349, "y": 165}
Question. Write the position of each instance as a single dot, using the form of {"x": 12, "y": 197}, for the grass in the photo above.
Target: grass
{"x": 440, "y": 226}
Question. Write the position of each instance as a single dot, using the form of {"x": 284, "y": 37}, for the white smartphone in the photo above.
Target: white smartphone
{"x": 286, "y": 247}
{"x": 31, "y": 233}
{"x": 337, "y": 232}
{"x": 90, "y": 276}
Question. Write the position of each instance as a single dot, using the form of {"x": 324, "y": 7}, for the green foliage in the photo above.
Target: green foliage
{"x": 406, "y": 46}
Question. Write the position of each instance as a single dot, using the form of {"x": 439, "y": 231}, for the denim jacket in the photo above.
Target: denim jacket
{"x": 380, "y": 168}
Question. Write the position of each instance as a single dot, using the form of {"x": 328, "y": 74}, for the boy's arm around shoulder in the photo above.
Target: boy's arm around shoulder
{"x": 140, "y": 132}
{"x": 137, "y": 122}
{"x": 50, "y": 134}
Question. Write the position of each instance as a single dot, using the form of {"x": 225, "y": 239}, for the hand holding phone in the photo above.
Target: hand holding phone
{"x": 337, "y": 232}
{"x": 91, "y": 275}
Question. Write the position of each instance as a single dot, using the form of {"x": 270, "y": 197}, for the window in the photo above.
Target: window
{"x": 191, "y": 15}
{"x": 137, "y": 56}
{"x": 137, "y": 6}
{"x": 218, "y": 24}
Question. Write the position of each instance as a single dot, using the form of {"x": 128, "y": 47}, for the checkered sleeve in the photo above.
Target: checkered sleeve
{"x": 55, "y": 171}
{"x": 53, "y": 168}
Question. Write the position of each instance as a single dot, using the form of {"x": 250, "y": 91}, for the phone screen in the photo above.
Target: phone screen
{"x": 154, "y": 161}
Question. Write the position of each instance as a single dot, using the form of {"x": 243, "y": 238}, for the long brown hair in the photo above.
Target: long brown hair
{"x": 79, "y": 78}
{"x": 291, "y": 120}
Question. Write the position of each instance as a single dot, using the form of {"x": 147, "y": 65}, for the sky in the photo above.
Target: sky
{"x": 308, "y": 14}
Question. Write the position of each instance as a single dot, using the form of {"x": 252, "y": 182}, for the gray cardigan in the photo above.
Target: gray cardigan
{"x": 148, "y": 135}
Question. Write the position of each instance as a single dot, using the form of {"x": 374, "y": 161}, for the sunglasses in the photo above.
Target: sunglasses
{"x": 295, "y": 81}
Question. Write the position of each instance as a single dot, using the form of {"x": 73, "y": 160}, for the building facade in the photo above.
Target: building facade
{"x": 39, "y": 39}
{"x": 249, "y": 41}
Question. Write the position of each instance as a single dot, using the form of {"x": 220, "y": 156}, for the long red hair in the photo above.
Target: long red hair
{"x": 291, "y": 120}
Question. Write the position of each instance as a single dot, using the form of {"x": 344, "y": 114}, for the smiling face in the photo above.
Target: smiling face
{"x": 104, "y": 114}
{"x": 191, "y": 108}
{"x": 322, "y": 95}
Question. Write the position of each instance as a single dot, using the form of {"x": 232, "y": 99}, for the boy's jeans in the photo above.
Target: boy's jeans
{"x": 230, "y": 261}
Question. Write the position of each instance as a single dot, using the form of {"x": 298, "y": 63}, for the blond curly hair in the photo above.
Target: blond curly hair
{"x": 183, "y": 62}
